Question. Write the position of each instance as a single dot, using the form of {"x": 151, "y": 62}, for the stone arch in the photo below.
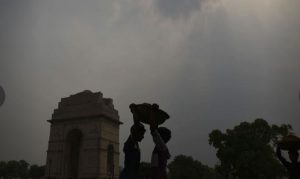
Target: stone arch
{"x": 73, "y": 152}
{"x": 83, "y": 125}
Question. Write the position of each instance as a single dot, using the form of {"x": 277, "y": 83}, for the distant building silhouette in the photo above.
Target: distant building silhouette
{"x": 84, "y": 138}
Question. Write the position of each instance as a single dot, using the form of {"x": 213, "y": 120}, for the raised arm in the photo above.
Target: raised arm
{"x": 159, "y": 142}
{"x": 157, "y": 139}
{"x": 282, "y": 160}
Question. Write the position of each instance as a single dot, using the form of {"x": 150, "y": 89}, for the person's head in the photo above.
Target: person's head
{"x": 165, "y": 133}
{"x": 137, "y": 132}
{"x": 293, "y": 155}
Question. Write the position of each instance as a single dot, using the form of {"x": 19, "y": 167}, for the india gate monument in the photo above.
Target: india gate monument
{"x": 84, "y": 138}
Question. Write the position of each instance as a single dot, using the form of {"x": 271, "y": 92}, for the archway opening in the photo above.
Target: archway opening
{"x": 74, "y": 140}
{"x": 110, "y": 161}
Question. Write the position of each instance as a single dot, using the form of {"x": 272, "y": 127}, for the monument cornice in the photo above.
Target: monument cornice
{"x": 92, "y": 117}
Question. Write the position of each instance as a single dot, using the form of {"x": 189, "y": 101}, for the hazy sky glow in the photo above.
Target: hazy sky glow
{"x": 209, "y": 63}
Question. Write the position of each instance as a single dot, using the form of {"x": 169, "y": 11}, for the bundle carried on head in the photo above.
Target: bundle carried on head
{"x": 289, "y": 142}
{"x": 144, "y": 112}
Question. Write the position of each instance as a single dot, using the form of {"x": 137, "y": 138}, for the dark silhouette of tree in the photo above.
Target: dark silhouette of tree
{"x": 246, "y": 150}
{"x": 185, "y": 167}
{"x": 12, "y": 168}
{"x": 20, "y": 169}
{"x": 17, "y": 168}
{"x": 2, "y": 169}
{"x": 36, "y": 171}
{"x": 23, "y": 169}
{"x": 145, "y": 170}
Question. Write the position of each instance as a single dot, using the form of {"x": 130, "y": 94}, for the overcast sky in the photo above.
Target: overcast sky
{"x": 210, "y": 64}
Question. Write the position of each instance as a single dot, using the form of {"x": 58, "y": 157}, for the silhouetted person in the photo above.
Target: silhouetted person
{"x": 132, "y": 152}
{"x": 160, "y": 154}
{"x": 293, "y": 167}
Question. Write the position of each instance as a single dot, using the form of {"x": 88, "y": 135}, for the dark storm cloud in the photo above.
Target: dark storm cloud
{"x": 233, "y": 62}
{"x": 177, "y": 8}
{"x": 228, "y": 76}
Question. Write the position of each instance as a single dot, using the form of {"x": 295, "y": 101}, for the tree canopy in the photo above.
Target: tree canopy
{"x": 246, "y": 151}
{"x": 144, "y": 170}
{"x": 185, "y": 167}
{"x": 20, "y": 169}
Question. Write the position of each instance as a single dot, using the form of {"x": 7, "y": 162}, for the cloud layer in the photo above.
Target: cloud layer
{"x": 209, "y": 64}
{"x": 177, "y": 8}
